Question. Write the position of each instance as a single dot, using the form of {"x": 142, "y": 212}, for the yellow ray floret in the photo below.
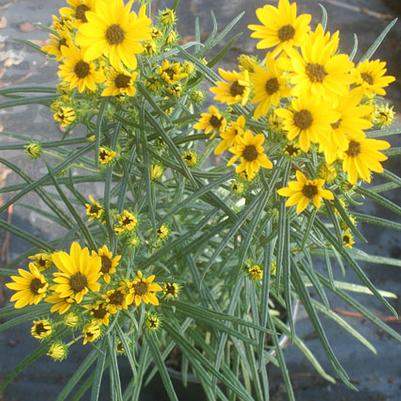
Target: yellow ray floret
{"x": 145, "y": 290}
{"x": 235, "y": 89}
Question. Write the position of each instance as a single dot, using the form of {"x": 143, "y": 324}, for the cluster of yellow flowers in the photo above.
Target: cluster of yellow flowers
{"x": 86, "y": 290}
{"x": 311, "y": 103}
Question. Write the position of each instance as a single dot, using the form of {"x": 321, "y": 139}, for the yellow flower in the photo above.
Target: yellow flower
{"x": 126, "y": 222}
{"x": 58, "y": 351}
{"x": 328, "y": 172}
{"x": 303, "y": 191}
{"x": 78, "y": 10}
{"x": 167, "y": 17}
{"x": 249, "y": 149}
{"x": 237, "y": 187}
{"x": 190, "y": 158}
{"x": 71, "y": 320}
{"x": 255, "y": 272}
{"x": 308, "y": 119}
{"x": 30, "y": 287}
{"x": 152, "y": 321}
{"x": 291, "y": 150}
{"x": 150, "y": 47}
{"x": 234, "y": 90}
{"x": 33, "y": 150}
{"x": 156, "y": 33}
{"x": 99, "y": 312}
{"x": 115, "y": 31}
{"x": 62, "y": 25}
{"x": 174, "y": 90}
{"x": 247, "y": 63}
{"x": 60, "y": 305}
{"x": 163, "y": 231}
{"x": 77, "y": 72}
{"x": 120, "y": 82}
{"x": 94, "y": 210}
{"x": 144, "y": 289}
{"x": 172, "y": 72}
{"x": 317, "y": 69}
{"x": 352, "y": 120}
{"x": 363, "y": 156}
{"x": 56, "y": 43}
{"x": 383, "y": 115}
{"x": 171, "y": 290}
{"x": 42, "y": 261}
{"x": 275, "y": 123}
{"x": 211, "y": 122}
{"x": 119, "y": 298}
{"x": 91, "y": 332}
{"x": 370, "y": 75}
{"x": 269, "y": 86}
{"x": 109, "y": 263}
{"x": 348, "y": 239}
{"x": 172, "y": 38}
{"x": 78, "y": 273}
{"x": 156, "y": 172}
{"x": 281, "y": 28}
{"x": 41, "y": 329}
{"x": 230, "y": 135}
{"x": 106, "y": 155}
{"x": 65, "y": 116}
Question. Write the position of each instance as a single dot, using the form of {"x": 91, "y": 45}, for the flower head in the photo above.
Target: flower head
{"x": 42, "y": 261}
{"x": 109, "y": 263}
{"x": 304, "y": 191}
{"x": 254, "y": 272}
{"x": 120, "y": 82}
{"x": 171, "y": 290}
{"x": 144, "y": 289}
{"x": 230, "y": 135}
{"x": 383, "y": 115}
{"x": 30, "y": 287}
{"x": 33, "y": 150}
{"x": 91, "y": 332}
{"x": 106, "y": 155}
{"x": 58, "y": 351}
{"x": 234, "y": 90}
{"x": 94, "y": 209}
{"x": 126, "y": 222}
{"x": 65, "y": 116}
{"x": 41, "y": 329}
{"x": 190, "y": 158}
{"x": 211, "y": 122}
{"x": 152, "y": 321}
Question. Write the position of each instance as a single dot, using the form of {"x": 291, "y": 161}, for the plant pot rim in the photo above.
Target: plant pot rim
{"x": 283, "y": 342}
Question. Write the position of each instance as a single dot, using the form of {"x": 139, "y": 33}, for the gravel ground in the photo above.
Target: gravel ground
{"x": 378, "y": 377}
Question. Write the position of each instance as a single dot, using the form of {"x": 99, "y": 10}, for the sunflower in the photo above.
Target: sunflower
{"x": 353, "y": 120}
{"x": 109, "y": 263}
{"x": 144, "y": 289}
{"x": 269, "y": 86}
{"x": 56, "y": 43}
{"x": 363, "y": 156}
{"x": 119, "y": 298}
{"x": 211, "y": 122}
{"x": 383, "y": 115}
{"x": 152, "y": 321}
{"x": 106, "y": 155}
{"x": 60, "y": 305}
{"x": 77, "y": 72}
{"x": 370, "y": 75}
{"x": 254, "y": 272}
{"x": 91, "y": 332}
{"x": 281, "y": 28}
{"x": 65, "y": 116}
{"x": 230, "y": 135}
{"x": 303, "y": 191}
{"x": 41, "y": 329}
{"x": 42, "y": 261}
{"x": 99, "y": 311}
{"x": 94, "y": 209}
{"x": 172, "y": 72}
{"x": 78, "y": 273}
{"x": 348, "y": 239}
{"x": 307, "y": 119}
{"x": 30, "y": 287}
{"x": 120, "y": 82}
{"x": 58, "y": 351}
{"x": 235, "y": 90}
{"x": 317, "y": 69}
{"x": 126, "y": 222}
{"x": 249, "y": 149}
{"x": 115, "y": 31}
{"x": 78, "y": 10}
{"x": 171, "y": 290}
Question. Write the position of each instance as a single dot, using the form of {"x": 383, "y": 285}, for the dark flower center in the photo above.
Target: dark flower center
{"x": 250, "y": 153}
{"x": 41, "y": 262}
{"x": 170, "y": 288}
{"x": 116, "y": 298}
{"x": 78, "y": 282}
{"x": 122, "y": 81}
{"x": 215, "y": 121}
{"x": 62, "y": 42}
{"x": 103, "y": 154}
{"x": 272, "y": 86}
{"x": 315, "y": 72}
{"x": 115, "y": 35}
{"x": 354, "y": 149}
{"x": 291, "y": 150}
{"x": 286, "y": 32}
{"x": 40, "y": 329}
{"x": 310, "y": 190}
{"x": 346, "y": 239}
{"x": 99, "y": 313}
{"x": 81, "y": 69}
{"x": 141, "y": 288}
{"x": 237, "y": 89}
{"x": 106, "y": 264}
{"x": 36, "y": 285}
{"x": 94, "y": 209}
{"x": 80, "y": 12}
{"x": 367, "y": 78}
{"x": 127, "y": 221}
{"x": 303, "y": 119}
